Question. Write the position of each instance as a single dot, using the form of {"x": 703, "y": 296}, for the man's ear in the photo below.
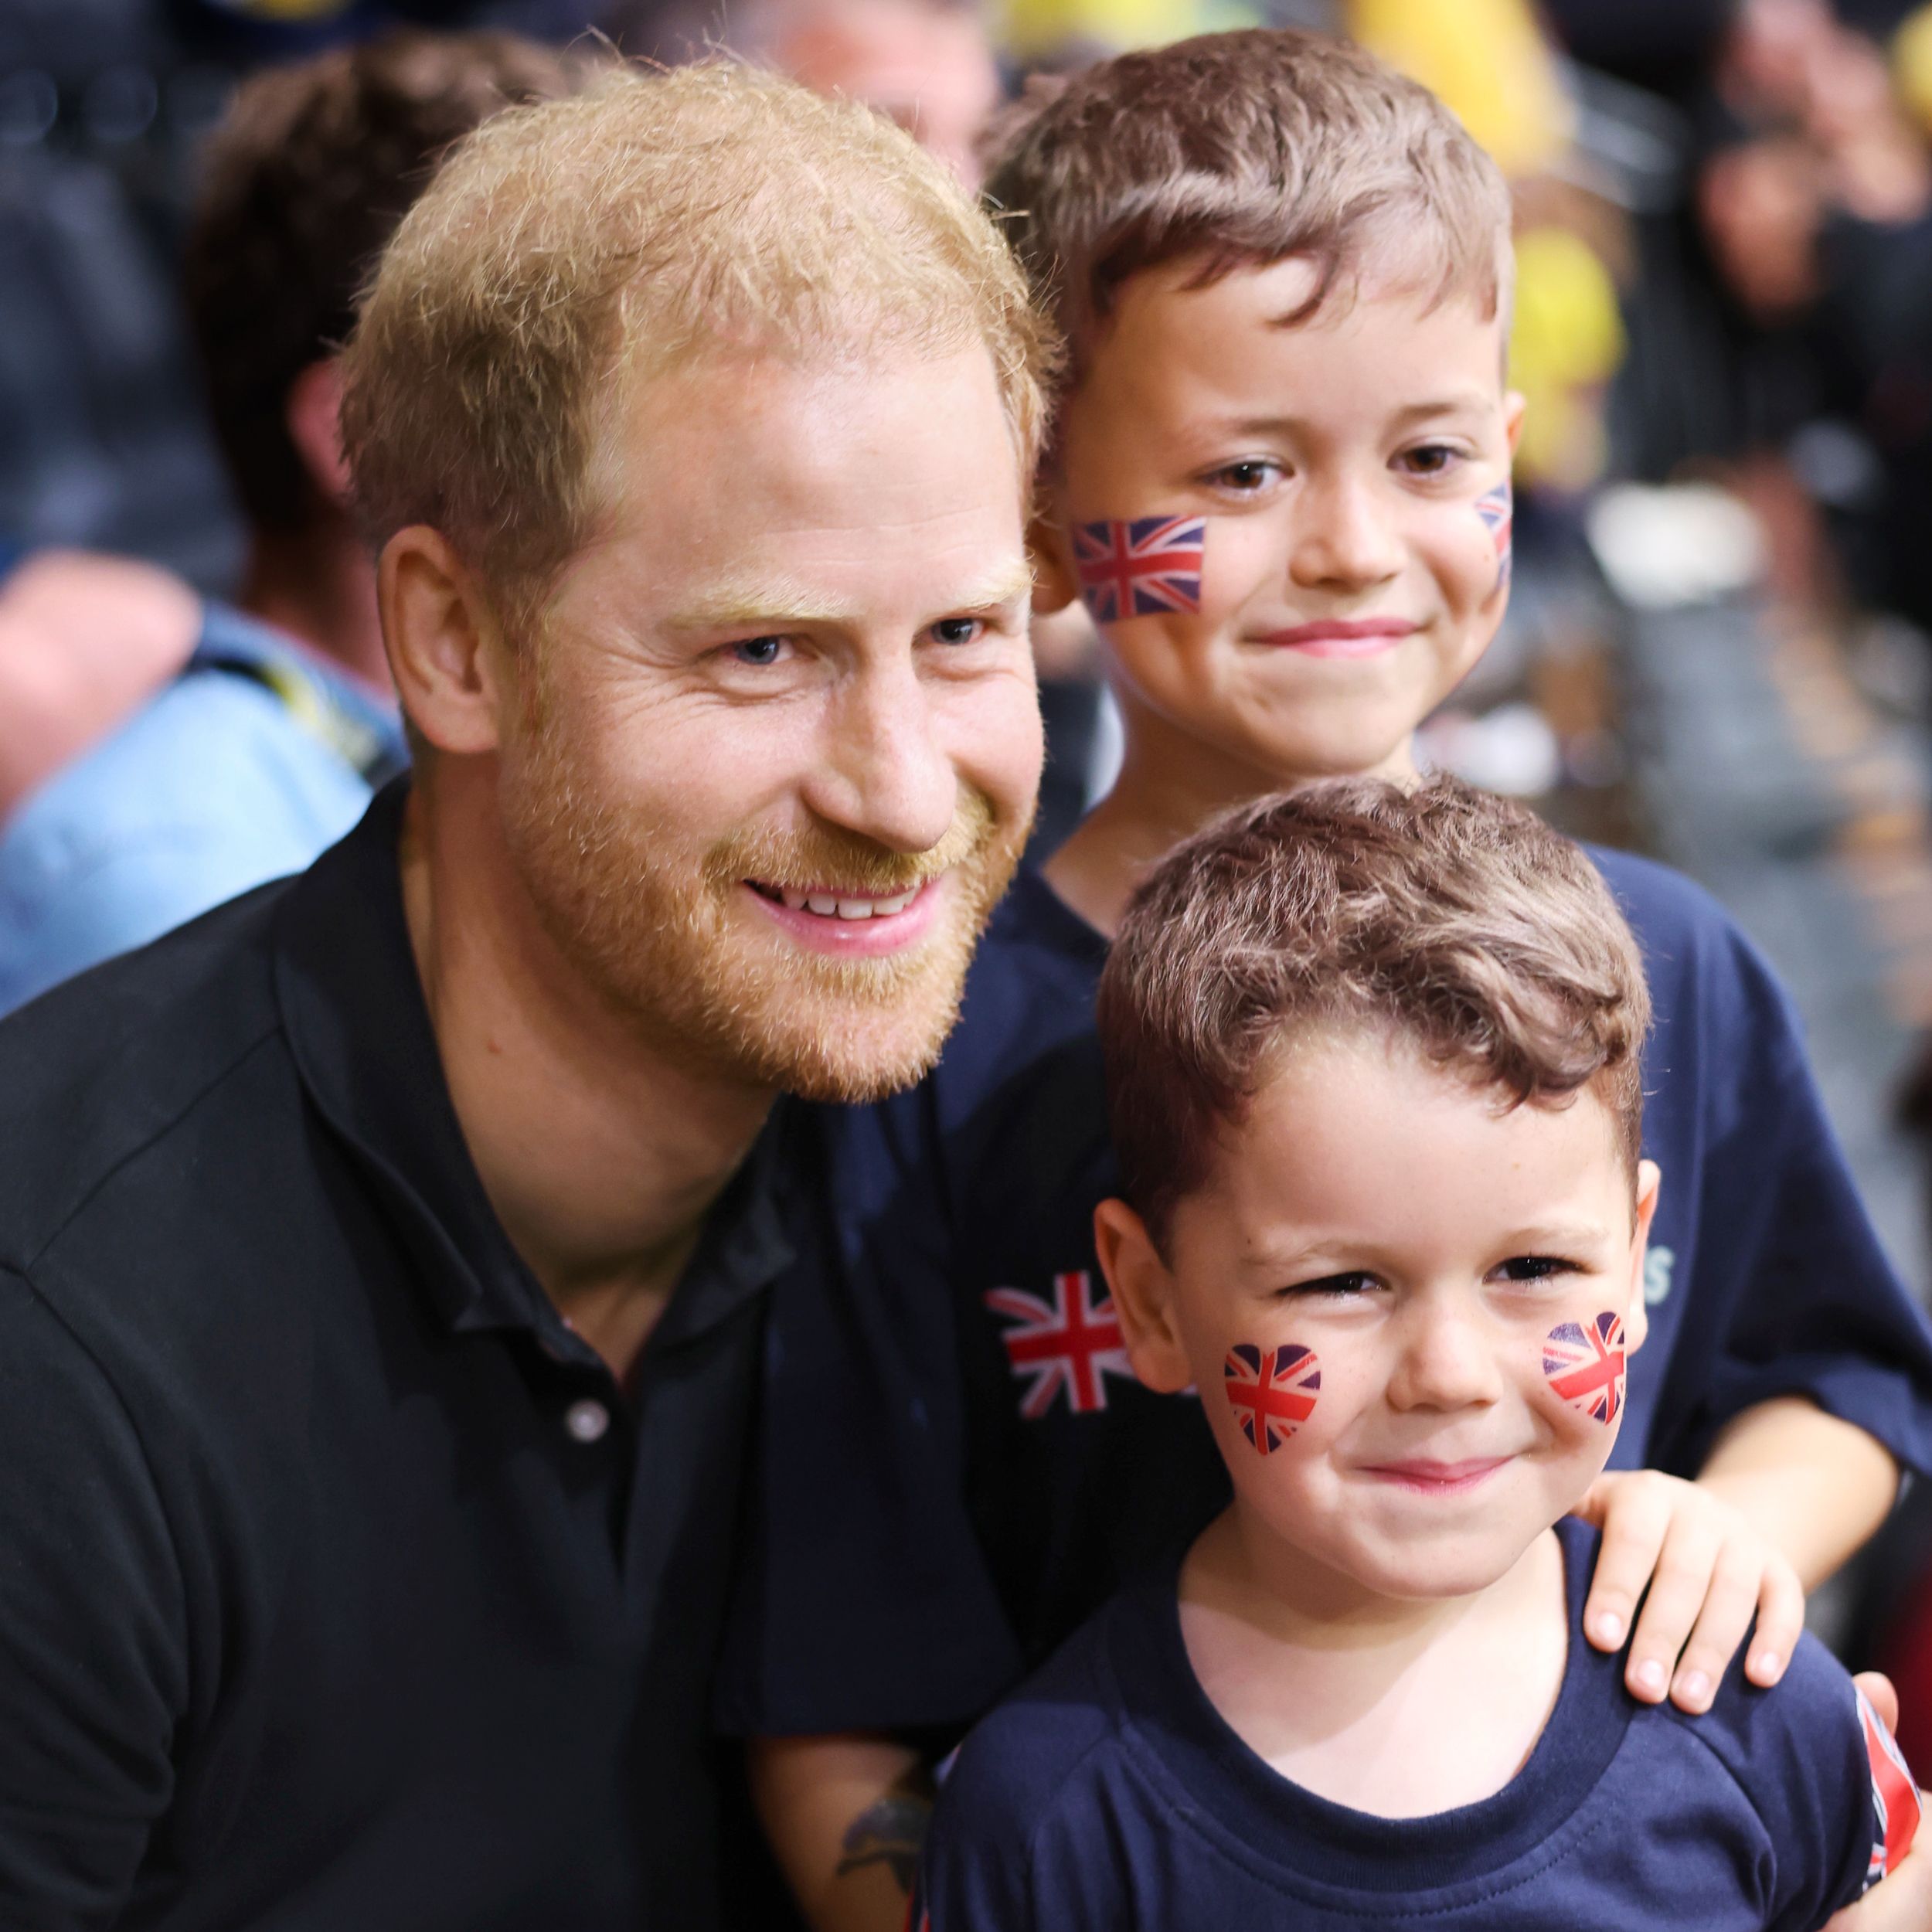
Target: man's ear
{"x": 312, "y": 414}
{"x": 1142, "y": 1287}
{"x": 1514, "y": 405}
{"x": 1637, "y": 1310}
{"x": 446, "y": 648}
{"x": 1055, "y": 584}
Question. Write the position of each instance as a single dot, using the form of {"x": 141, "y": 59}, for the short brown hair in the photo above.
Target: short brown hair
{"x": 301, "y": 185}
{"x": 569, "y": 248}
{"x": 1243, "y": 148}
{"x": 1457, "y": 921}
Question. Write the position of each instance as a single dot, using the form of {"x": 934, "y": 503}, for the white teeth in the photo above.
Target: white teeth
{"x": 828, "y": 905}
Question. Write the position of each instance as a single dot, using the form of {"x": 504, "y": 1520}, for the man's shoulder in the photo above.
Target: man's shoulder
{"x": 110, "y": 1068}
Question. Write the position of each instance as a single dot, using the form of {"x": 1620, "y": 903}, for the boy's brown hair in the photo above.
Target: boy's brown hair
{"x": 1244, "y": 148}
{"x": 1452, "y": 920}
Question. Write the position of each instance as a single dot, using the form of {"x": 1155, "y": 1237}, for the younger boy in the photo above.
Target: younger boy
{"x": 1373, "y": 1057}
{"x": 1279, "y": 475}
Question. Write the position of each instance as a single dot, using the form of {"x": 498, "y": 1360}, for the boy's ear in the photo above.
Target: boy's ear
{"x": 1637, "y": 1310}
{"x": 1055, "y": 584}
{"x": 1143, "y": 1290}
{"x": 1514, "y": 404}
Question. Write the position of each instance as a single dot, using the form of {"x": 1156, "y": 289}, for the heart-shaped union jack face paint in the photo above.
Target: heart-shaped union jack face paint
{"x": 1584, "y": 1363}
{"x": 1272, "y": 1391}
{"x": 1140, "y": 568}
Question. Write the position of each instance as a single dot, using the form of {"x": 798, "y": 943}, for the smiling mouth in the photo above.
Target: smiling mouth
{"x": 831, "y": 902}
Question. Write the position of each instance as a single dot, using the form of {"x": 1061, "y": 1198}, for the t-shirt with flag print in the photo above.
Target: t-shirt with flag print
{"x": 1109, "y": 1792}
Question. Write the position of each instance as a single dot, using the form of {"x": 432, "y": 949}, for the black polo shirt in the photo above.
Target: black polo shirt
{"x": 341, "y": 1587}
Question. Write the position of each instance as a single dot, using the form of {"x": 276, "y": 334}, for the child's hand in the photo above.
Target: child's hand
{"x": 1710, "y": 1571}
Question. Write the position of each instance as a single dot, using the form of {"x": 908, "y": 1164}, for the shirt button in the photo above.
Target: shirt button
{"x": 587, "y": 1420}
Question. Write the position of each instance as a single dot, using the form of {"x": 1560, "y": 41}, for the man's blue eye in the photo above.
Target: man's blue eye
{"x": 759, "y": 650}
{"x": 956, "y": 630}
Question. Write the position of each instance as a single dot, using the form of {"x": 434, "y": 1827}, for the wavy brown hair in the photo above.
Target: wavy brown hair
{"x": 1447, "y": 918}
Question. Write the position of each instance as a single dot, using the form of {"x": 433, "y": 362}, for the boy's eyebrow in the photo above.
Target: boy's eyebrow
{"x": 1472, "y": 402}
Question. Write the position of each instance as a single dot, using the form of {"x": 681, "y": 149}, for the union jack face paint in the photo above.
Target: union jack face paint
{"x": 1140, "y": 568}
{"x": 1272, "y": 1391}
{"x": 1584, "y": 1364}
{"x": 1497, "y": 508}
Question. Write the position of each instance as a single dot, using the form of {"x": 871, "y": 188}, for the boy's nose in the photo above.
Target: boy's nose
{"x": 1344, "y": 539}
{"x": 1444, "y": 1361}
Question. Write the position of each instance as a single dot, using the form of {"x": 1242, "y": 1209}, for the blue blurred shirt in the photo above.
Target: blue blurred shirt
{"x": 259, "y": 756}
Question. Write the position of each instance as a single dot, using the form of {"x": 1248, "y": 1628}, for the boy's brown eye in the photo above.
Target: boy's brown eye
{"x": 1245, "y": 476}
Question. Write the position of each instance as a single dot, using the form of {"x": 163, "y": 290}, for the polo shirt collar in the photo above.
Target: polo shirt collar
{"x": 359, "y": 1030}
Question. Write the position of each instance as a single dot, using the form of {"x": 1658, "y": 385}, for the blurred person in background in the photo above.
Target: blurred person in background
{"x": 84, "y": 639}
{"x": 268, "y": 746}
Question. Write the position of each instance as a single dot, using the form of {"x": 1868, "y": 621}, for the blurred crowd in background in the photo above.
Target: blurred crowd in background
{"x": 1720, "y": 643}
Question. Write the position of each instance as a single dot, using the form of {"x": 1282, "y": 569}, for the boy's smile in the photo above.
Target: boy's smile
{"x": 1349, "y": 581}
{"x": 1384, "y": 1219}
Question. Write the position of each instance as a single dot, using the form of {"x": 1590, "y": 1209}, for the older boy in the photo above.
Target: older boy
{"x": 1360, "y": 1701}
{"x": 1279, "y": 477}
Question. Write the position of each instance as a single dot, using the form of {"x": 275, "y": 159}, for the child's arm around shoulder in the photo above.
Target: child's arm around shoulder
{"x": 1788, "y": 1494}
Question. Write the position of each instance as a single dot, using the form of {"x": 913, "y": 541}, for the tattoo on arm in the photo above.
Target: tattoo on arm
{"x": 889, "y": 1833}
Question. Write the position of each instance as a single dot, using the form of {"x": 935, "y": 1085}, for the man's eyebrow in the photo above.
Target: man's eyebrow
{"x": 1009, "y": 584}
{"x": 770, "y": 603}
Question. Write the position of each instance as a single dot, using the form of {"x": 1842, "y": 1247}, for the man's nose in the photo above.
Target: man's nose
{"x": 1444, "y": 1360}
{"x": 1345, "y": 538}
{"x": 882, "y": 771}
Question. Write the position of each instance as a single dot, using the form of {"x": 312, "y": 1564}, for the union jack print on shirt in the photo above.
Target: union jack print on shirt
{"x": 1273, "y": 1390}
{"x": 1136, "y": 569}
{"x": 1497, "y": 508}
{"x": 1894, "y": 1794}
{"x": 1072, "y": 1342}
{"x": 1585, "y": 1366}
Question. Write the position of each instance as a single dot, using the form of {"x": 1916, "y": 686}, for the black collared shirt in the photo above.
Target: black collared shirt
{"x": 341, "y": 1587}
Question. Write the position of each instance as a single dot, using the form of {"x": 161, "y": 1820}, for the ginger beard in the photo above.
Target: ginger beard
{"x": 670, "y": 942}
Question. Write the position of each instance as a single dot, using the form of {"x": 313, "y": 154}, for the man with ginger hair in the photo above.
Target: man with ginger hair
{"x": 382, "y": 1255}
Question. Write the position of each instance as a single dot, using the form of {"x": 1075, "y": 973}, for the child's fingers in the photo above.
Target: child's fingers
{"x": 1780, "y": 1622}
{"x": 1729, "y": 1604}
{"x": 1633, "y": 1532}
{"x": 1678, "y": 1590}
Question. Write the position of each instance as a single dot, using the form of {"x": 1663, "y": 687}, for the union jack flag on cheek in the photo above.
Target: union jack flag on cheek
{"x": 1497, "y": 508}
{"x": 1140, "y": 568}
{"x": 1894, "y": 1794}
{"x": 1272, "y": 1391}
{"x": 1071, "y": 1343}
{"x": 1584, "y": 1364}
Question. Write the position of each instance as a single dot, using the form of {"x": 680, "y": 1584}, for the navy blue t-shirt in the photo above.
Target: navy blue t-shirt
{"x": 957, "y": 1467}
{"x": 1109, "y": 1792}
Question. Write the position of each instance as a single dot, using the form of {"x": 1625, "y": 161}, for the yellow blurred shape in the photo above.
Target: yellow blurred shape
{"x": 1566, "y": 343}
{"x": 1489, "y": 60}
